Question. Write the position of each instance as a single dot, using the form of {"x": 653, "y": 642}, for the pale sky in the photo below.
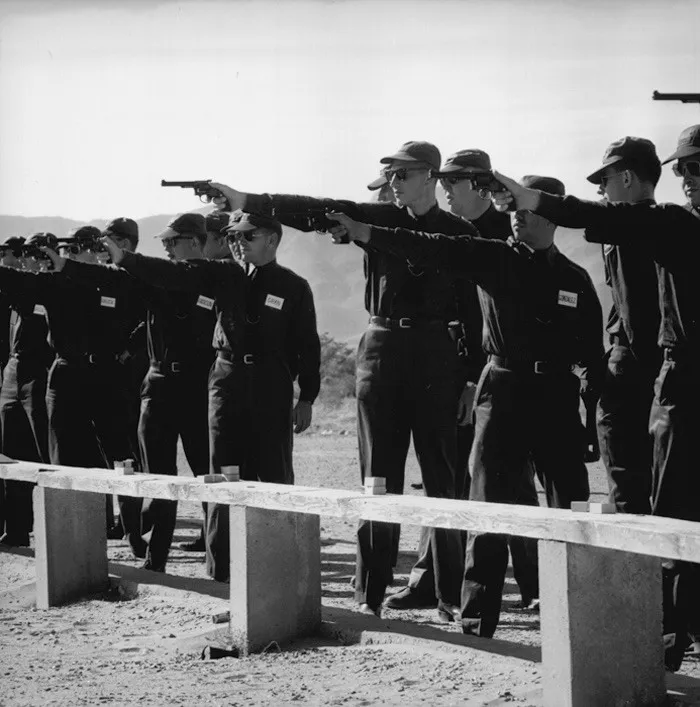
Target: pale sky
{"x": 100, "y": 100}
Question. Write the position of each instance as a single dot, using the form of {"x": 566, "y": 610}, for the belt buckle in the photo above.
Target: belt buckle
{"x": 404, "y": 323}
{"x": 175, "y": 367}
{"x": 540, "y": 367}
{"x": 248, "y": 359}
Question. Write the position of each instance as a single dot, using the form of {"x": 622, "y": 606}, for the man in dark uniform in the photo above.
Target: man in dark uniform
{"x": 179, "y": 329}
{"x": 629, "y": 173}
{"x": 541, "y": 317}
{"x": 409, "y": 375}
{"x": 687, "y": 166}
{"x": 22, "y": 398}
{"x": 265, "y": 338}
{"x": 466, "y": 203}
{"x": 87, "y": 395}
{"x": 673, "y": 235}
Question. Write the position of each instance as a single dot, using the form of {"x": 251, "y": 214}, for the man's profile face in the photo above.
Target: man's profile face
{"x": 461, "y": 197}
{"x": 612, "y": 185}
{"x": 689, "y": 167}
{"x": 182, "y": 247}
{"x": 215, "y": 246}
{"x": 408, "y": 181}
{"x": 530, "y": 228}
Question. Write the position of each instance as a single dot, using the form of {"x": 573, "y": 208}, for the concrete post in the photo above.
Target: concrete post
{"x": 275, "y": 576}
{"x": 71, "y": 545}
{"x": 601, "y": 614}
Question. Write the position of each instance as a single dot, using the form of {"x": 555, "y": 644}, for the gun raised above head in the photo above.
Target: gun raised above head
{"x": 202, "y": 188}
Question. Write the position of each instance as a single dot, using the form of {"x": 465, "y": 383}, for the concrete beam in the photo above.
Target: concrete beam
{"x": 601, "y": 614}
{"x": 71, "y": 545}
{"x": 275, "y": 577}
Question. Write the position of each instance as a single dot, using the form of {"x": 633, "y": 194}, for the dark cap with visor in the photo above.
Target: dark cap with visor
{"x": 190, "y": 224}
{"x": 551, "y": 185}
{"x": 242, "y": 222}
{"x": 628, "y": 152}
{"x": 416, "y": 151}
{"x": 688, "y": 144}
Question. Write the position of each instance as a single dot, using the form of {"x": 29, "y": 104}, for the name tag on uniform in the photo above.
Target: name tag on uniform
{"x": 568, "y": 299}
{"x": 205, "y": 302}
{"x": 274, "y": 302}
{"x": 40, "y": 310}
{"x": 110, "y": 302}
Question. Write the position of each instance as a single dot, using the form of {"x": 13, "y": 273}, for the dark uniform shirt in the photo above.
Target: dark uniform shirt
{"x": 673, "y": 237}
{"x": 394, "y": 289}
{"x": 26, "y": 335}
{"x": 538, "y": 305}
{"x": 278, "y": 320}
{"x": 634, "y": 317}
{"x": 178, "y": 326}
{"x": 83, "y": 321}
{"x": 4, "y": 329}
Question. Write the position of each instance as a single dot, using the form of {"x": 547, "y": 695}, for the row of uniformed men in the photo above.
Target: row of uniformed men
{"x": 541, "y": 316}
{"x": 107, "y": 364}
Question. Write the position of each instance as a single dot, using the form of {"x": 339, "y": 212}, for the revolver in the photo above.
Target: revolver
{"x": 202, "y": 188}
{"x": 317, "y": 220}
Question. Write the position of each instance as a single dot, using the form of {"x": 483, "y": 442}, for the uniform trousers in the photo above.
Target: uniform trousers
{"x": 173, "y": 405}
{"x": 24, "y": 436}
{"x": 250, "y": 426}
{"x": 90, "y": 418}
{"x": 623, "y": 428}
{"x": 674, "y": 424}
{"x": 408, "y": 383}
{"x": 523, "y": 551}
{"x": 520, "y": 416}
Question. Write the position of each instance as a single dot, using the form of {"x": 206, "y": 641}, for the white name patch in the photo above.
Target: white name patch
{"x": 274, "y": 302}
{"x": 40, "y": 310}
{"x": 110, "y": 302}
{"x": 568, "y": 299}
{"x": 205, "y": 302}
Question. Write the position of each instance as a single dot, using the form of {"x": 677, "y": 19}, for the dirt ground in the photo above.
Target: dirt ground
{"x": 143, "y": 645}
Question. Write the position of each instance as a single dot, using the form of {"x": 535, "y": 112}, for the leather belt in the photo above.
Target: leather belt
{"x": 90, "y": 359}
{"x": 407, "y": 323}
{"x": 168, "y": 367}
{"x": 541, "y": 368}
{"x": 248, "y": 359}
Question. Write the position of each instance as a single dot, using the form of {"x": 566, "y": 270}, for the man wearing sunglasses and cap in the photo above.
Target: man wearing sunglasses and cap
{"x": 672, "y": 233}
{"x": 541, "y": 318}
{"x": 409, "y": 374}
{"x": 265, "y": 338}
{"x": 687, "y": 166}
{"x": 465, "y": 202}
{"x": 629, "y": 173}
{"x": 23, "y": 417}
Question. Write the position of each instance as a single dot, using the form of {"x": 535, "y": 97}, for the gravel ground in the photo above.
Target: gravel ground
{"x": 143, "y": 646}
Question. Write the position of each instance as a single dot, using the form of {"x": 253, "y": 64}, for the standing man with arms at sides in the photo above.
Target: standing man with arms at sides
{"x": 409, "y": 375}
{"x": 541, "y": 317}
{"x": 23, "y": 395}
{"x": 265, "y": 337}
{"x": 687, "y": 166}
{"x": 629, "y": 173}
{"x": 465, "y": 202}
{"x": 673, "y": 235}
{"x": 179, "y": 329}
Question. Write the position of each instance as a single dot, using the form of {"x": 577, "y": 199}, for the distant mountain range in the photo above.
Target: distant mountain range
{"x": 334, "y": 271}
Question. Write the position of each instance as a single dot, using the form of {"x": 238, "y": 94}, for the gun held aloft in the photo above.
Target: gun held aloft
{"x": 202, "y": 188}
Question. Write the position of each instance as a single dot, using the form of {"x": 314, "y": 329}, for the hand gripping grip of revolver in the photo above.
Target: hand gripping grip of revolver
{"x": 317, "y": 220}
{"x": 202, "y": 188}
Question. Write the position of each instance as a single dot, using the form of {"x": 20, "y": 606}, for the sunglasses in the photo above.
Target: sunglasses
{"x": 248, "y": 236}
{"x": 401, "y": 174}
{"x": 687, "y": 169}
{"x": 606, "y": 178}
{"x": 454, "y": 179}
{"x": 171, "y": 241}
